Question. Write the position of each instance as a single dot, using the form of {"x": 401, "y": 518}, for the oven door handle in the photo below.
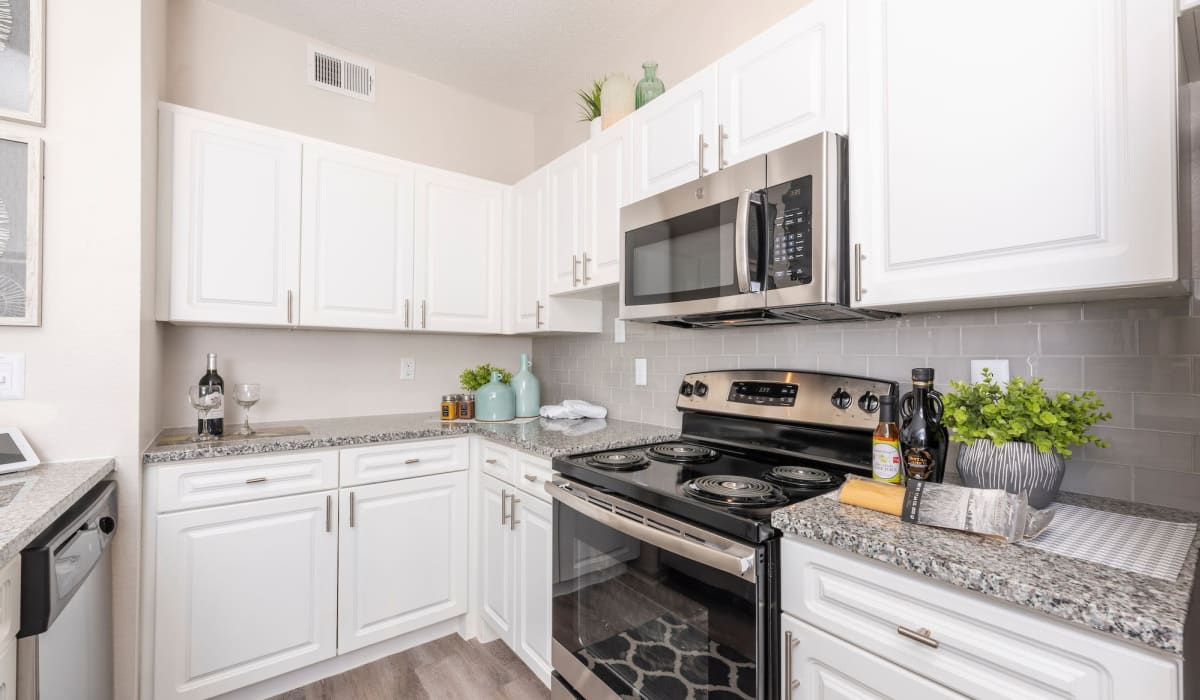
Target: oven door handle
{"x": 741, "y": 242}
{"x": 711, "y": 550}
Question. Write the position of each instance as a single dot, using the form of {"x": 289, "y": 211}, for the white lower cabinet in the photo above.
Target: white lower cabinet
{"x": 244, "y": 592}
{"x": 10, "y": 622}
{"x": 881, "y": 629}
{"x": 403, "y": 557}
{"x": 516, "y": 558}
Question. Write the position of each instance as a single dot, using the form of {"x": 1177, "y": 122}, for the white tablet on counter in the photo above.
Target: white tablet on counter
{"x": 15, "y": 452}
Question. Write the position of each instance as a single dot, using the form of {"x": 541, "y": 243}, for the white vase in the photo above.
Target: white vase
{"x": 616, "y": 99}
{"x": 594, "y": 128}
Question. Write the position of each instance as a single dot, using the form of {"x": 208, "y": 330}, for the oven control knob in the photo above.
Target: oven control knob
{"x": 868, "y": 402}
{"x": 685, "y": 389}
{"x": 701, "y": 389}
{"x": 841, "y": 398}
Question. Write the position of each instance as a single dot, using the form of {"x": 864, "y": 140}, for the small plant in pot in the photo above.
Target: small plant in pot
{"x": 1017, "y": 437}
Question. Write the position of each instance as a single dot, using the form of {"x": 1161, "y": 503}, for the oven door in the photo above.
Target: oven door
{"x": 646, "y": 606}
{"x": 696, "y": 249}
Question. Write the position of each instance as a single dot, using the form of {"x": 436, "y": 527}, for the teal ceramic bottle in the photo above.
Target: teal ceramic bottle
{"x": 528, "y": 390}
{"x": 495, "y": 401}
{"x": 649, "y": 86}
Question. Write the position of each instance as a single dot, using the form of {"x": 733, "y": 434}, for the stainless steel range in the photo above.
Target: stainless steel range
{"x": 665, "y": 564}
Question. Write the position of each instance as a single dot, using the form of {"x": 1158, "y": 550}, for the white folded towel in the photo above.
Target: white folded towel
{"x": 573, "y": 408}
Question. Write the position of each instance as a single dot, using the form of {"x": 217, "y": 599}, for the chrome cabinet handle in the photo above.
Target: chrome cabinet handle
{"x": 858, "y": 258}
{"x": 574, "y": 270}
{"x": 530, "y": 477}
{"x": 256, "y": 480}
{"x": 700, "y": 152}
{"x": 537, "y": 315}
{"x": 406, "y": 315}
{"x": 721, "y": 136}
{"x": 351, "y": 509}
{"x": 329, "y": 514}
{"x": 504, "y": 515}
{"x": 788, "y": 644}
{"x": 424, "y": 308}
{"x": 489, "y": 461}
{"x": 414, "y": 460}
{"x": 512, "y": 513}
{"x": 586, "y": 260}
{"x": 923, "y": 635}
{"x": 289, "y": 302}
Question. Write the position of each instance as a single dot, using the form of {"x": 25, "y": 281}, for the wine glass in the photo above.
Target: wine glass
{"x": 204, "y": 399}
{"x": 246, "y": 396}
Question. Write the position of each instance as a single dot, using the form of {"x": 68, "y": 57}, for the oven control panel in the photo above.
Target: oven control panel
{"x": 817, "y": 398}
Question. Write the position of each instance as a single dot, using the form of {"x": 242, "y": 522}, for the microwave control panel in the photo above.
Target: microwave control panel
{"x": 790, "y": 231}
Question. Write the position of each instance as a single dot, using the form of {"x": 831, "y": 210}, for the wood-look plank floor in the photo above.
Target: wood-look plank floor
{"x": 444, "y": 669}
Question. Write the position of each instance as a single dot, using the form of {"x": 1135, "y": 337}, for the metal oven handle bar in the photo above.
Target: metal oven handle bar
{"x": 741, "y": 242}
{"x": 684, "y": 540}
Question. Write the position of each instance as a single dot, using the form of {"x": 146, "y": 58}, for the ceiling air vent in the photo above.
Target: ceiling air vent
{"x": 340, "y": 73}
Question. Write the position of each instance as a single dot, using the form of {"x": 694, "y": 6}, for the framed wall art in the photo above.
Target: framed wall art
{"x": 22, "y": 60}
{"x": 20, "y": 230}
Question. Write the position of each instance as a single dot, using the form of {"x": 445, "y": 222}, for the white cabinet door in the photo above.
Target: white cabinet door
{"x": 608, "y": 189}
{"x": 535, "y": 537}
{"x": 565, "y": 218}
{"x": 356, "y": 242}
{"x": 823, "y": 667}
{"x": 244, "y": 592}
{"x": 786, "y": 84}
{"x": 498, "y": 566}
{"x": 526, "y": 269}
{"x": 978, "y": 172}
{"x": 459, "y": 234}
{"x": 675, "y": 136}
{"x": 403, "y": 557}
{"x": 231, "y": 219}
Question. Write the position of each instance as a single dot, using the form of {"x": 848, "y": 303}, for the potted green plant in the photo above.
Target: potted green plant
{"x": 1017, "y": 437}
{"x": 494, "y": 398}
{"x": 589, "y": 105}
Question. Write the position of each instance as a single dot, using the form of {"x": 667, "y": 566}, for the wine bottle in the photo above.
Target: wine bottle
{"x": 885, "y": 444}
{"x": 216, "y": 417}
{"x": 923, "y": 439}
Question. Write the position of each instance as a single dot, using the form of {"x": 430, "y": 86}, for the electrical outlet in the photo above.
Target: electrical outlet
{"x": 12, "y": 375}
{"x": 998, "y": 368}
{"x": 618, "y": 331}
{"x": 639, "y": 371}
{"x": 408, "y": 368}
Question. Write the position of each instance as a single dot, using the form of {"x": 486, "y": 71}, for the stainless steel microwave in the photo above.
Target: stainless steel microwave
{"x": 761, "y": 242}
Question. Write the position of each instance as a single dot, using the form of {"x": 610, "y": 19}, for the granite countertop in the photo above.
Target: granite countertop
{"x": 46, "y": 492}
{"x": 544, "y": 437}
{"x": 1137, "y": 608}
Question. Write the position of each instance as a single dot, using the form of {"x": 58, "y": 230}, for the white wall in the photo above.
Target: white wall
{"x": 698, "y": 33}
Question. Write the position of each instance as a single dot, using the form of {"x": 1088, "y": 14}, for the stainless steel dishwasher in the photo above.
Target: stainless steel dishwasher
{"x": 64, "y": 647}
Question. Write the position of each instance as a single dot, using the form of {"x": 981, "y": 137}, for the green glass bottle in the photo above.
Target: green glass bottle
{"x": 649, "y": 86}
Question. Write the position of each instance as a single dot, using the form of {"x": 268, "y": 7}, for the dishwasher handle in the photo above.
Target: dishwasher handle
{"x": 57, "y": 562}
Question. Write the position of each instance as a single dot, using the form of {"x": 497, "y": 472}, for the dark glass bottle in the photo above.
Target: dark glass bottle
{"x": 923, "y": 438}
{"x": 216, "y": 417}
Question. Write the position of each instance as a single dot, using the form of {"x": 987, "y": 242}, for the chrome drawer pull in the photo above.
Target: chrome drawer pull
{"x": 256, "y": 480}
{"x": 489, "y": 461}
{"x": 923, "y": 635}
{"x": 530, "y": 477}
{"x": 414, "y": 460}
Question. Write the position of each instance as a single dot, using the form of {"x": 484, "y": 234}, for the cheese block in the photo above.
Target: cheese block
{"x": 875, "y": 495}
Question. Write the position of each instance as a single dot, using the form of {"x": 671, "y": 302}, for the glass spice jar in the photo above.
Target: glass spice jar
{"x": 450, "y": 407}
{"x": 466, "y": 406}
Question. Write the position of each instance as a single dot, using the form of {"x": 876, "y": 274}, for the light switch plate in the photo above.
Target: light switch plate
{"x": 408, "y": 368}
{"x": 618, "y": 331}
{"x": 12, "y": 376}
{"x": 639, "y": 371}
{"x": 999, "y": 369}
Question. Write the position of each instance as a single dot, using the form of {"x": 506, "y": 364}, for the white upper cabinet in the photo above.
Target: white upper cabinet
{"x": 609, "y": 187}
{"x": 565, "y": 220}
{"x": 229, "y": 220}
{"x": 980, "y": 169}
{"x": 356, "y": 256}
{"x": 675, "y": 136}
{"x": 526, "y": 250}
{"x": 784, "y": 85}
{"x": 459, "y": 236}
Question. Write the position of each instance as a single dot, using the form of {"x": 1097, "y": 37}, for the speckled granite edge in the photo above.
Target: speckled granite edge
{"x": 542, "y": 437}
{"x": 1132, "y": 607}
{"x": 51, "y": 490}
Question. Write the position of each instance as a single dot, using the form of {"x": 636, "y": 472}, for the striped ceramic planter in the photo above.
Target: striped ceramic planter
{"x": 1016, "y": 467}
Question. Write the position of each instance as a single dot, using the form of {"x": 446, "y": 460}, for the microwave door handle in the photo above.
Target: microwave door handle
{"x": 741, "y": 242}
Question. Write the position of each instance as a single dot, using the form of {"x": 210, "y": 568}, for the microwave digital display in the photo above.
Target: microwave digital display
{"x": 790, "y": 232}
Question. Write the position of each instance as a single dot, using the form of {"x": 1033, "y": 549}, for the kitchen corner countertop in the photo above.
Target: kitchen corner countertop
{"x": 46, "y": 492}
{"x": 537, "y": 435}
{"x": 1130, "y": 606}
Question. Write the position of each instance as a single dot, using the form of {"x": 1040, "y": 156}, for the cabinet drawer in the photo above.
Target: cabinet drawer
{"x": 979, "y": 647}
{"x": 232, "y": 480}
{"x": 532, "y": 475}
{"x": 403, "y": 460}
{"x": 497, "y": 461}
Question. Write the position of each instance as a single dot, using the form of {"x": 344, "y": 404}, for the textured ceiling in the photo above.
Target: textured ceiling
{"x": 520, "y": 53}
